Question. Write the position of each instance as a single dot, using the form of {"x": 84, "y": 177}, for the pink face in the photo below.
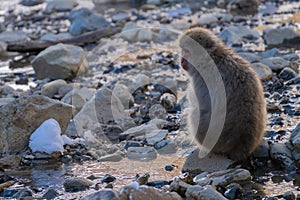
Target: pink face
{"x": 184, "y": 59}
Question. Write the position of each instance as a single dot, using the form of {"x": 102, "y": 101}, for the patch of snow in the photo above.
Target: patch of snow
{"x": 70, "y": 141}
{"x": 47, "y": 138}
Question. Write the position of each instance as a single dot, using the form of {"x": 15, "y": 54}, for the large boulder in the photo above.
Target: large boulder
{"x": 84, "y": 20}
{"x": 20, "y": 118}
{"x": 281, "y": 37}
{"x": 61, "y": 61}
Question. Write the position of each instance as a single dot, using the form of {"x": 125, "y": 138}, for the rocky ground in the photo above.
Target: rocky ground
{"x": 93, "y": 100}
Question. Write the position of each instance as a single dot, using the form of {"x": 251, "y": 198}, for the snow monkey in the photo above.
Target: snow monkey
{"x": 243, "y": 108}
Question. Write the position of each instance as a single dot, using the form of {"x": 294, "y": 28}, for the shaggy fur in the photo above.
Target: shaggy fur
{"x": 246, "y": 110}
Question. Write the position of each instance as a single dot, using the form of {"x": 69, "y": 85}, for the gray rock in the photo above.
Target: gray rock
{"x": 223, "y": 178}
{"x": 274, "y": 52}
{"x": 60, "y": 5}
{"x": 103, "y": 108}
{"x": 83, "y": 20}
{"x": 61, "y": 61}
{"x": 122, "y": 92}
{"x": 291, "y": 57}
{"x": 243, "y": 7}
{"x": 50, "y": 89}
{"x": 122, "y": 16}
{"x": 50, "y": 194}
{"x": 289, "y": 195}
{"x": 275, "y": 63}
{"x": 156, "y": 136}
{"x": 23, "y": 193}
{"x": 281, "y": 37}
{"x": 210, "y": 163}
{"x": 76, "y": 184}
{"x": 262, "y": 151}
{"x": 166, "y": 147}
{"x": 264, "y": 72}
{"x": 141, "y": 130}
{"x": 3, "y": 47}
{"x": 78, "y": 97}
{"x": 4, "y": 101}
{"x": 144, "y": 154}
{"x": 17, "y": 120}
{"x": 197, "y": 192}
{"x": 144, "y": 192}
{"x": 251, "y": 57}
{"x": 134, "y": 33}
{"x": 238, "y": 34}
{"x": 295, "y": 137}
{"x": 13, "y": 36}
{"x": 287, "y": 74}
{"x": 179, "y": 11}
{"x": 55, "y": 37}
{"x": 104, "y": 194}
{"x": 115, "y": 157}
{"x": 157, "y": 111}
{"x": 207, "y": 19}
{"x": 281, "y": 153}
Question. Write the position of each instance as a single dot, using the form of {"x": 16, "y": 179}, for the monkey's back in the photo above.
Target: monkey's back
{"x": 246, "y": 111}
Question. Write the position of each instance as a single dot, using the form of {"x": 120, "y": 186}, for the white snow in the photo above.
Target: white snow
{"x": 47, "y": 138}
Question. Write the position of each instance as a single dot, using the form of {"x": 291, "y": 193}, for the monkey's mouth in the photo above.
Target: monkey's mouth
{"x": 184, "y": 64}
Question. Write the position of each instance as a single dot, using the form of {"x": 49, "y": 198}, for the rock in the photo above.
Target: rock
{"x": 274, "y": 52}
{"x": 3, "y": 47}
{"x": 291, "y": 57}
{"x": 243, "y": 7}
{"x": 197, "y": 192}
{"x": 78, "y": 97}
{"x": 233, "y": 191}
{"x": 289, "y": 195}
{"x": 166, "y": 147}
{"x": 104, "y": 194}
{"x": 9, "y": 162}
{"x": 108, "y": 178}
{"x": 147, "y": 7}
{"x": 60, "y": 5}
{"x": 31, "y": 2}
{"x": 83, "y": 20}
{"x": 223, "y": 178}
{"x": 122, "y": 16}
{"x": 235, "y": 35}
{"x": 275, "y": 63}
{"x": 287, "y": 74}
{"x": 281, "y": 153}
{"x": 210, "y": 163}
{"x": 123, "y": 94}
{"x": 50, "y": 89}
{"x": 141, "y": 130}
{"x": 295, "y": 137}
{"x": 144, "y": 154}
{"x": 134, "y": 33}
{"x": 61, "y": 61}
{"x": 262, "y": 151}
{"x": 13, "y": 36}
{"x": 179, "y": 11}
{"x": 207, "y": 19}
{"x": 144, "y": 35}
{"x": 17, "y": 124}
{"x": 166, "y": 35}
{"x": 157, "y": 111}
{"x": 155, "y": 136}
{"x": 283, "y": 37}
{"x": 144, "y": 192}
{"x": 50, "y": 194}
{"x": 76, "y": 184}
{"x": 23, "y": 193}
{"x": 154, "y": 2}
{"x": 47, "y": 138}
{"x": 4, "y": 101}
{"x": 264, "y": 72}
{"x": 54, "y": 37}
{"x": 114, "y": 157}
{"x": 251, "y": 57}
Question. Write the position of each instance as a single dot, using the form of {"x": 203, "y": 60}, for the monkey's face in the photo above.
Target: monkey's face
{"x": 184, "y": 59}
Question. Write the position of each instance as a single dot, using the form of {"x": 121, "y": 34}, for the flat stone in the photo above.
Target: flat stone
{"x": 206, "y": 192}
{"x": 60, "y": 5}
{"x": 264, "y": 72}
{"x": 104, "y": 194}
{"x": 281, "y": 37}
{"x": 76, "y": 184}
{"x": 144, "y": 154}
{"x": 13, "y": 36}
{"x": 51, "y": 88}
{"x": 210, "y": 163}
{"x": 275, "y": 63}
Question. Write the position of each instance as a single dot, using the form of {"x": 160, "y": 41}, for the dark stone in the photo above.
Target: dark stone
{"x": 108, "y": 178}
{"x": 50, "y": 194}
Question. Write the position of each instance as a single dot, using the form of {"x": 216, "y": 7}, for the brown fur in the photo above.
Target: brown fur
{"x": 246, "y": 110}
